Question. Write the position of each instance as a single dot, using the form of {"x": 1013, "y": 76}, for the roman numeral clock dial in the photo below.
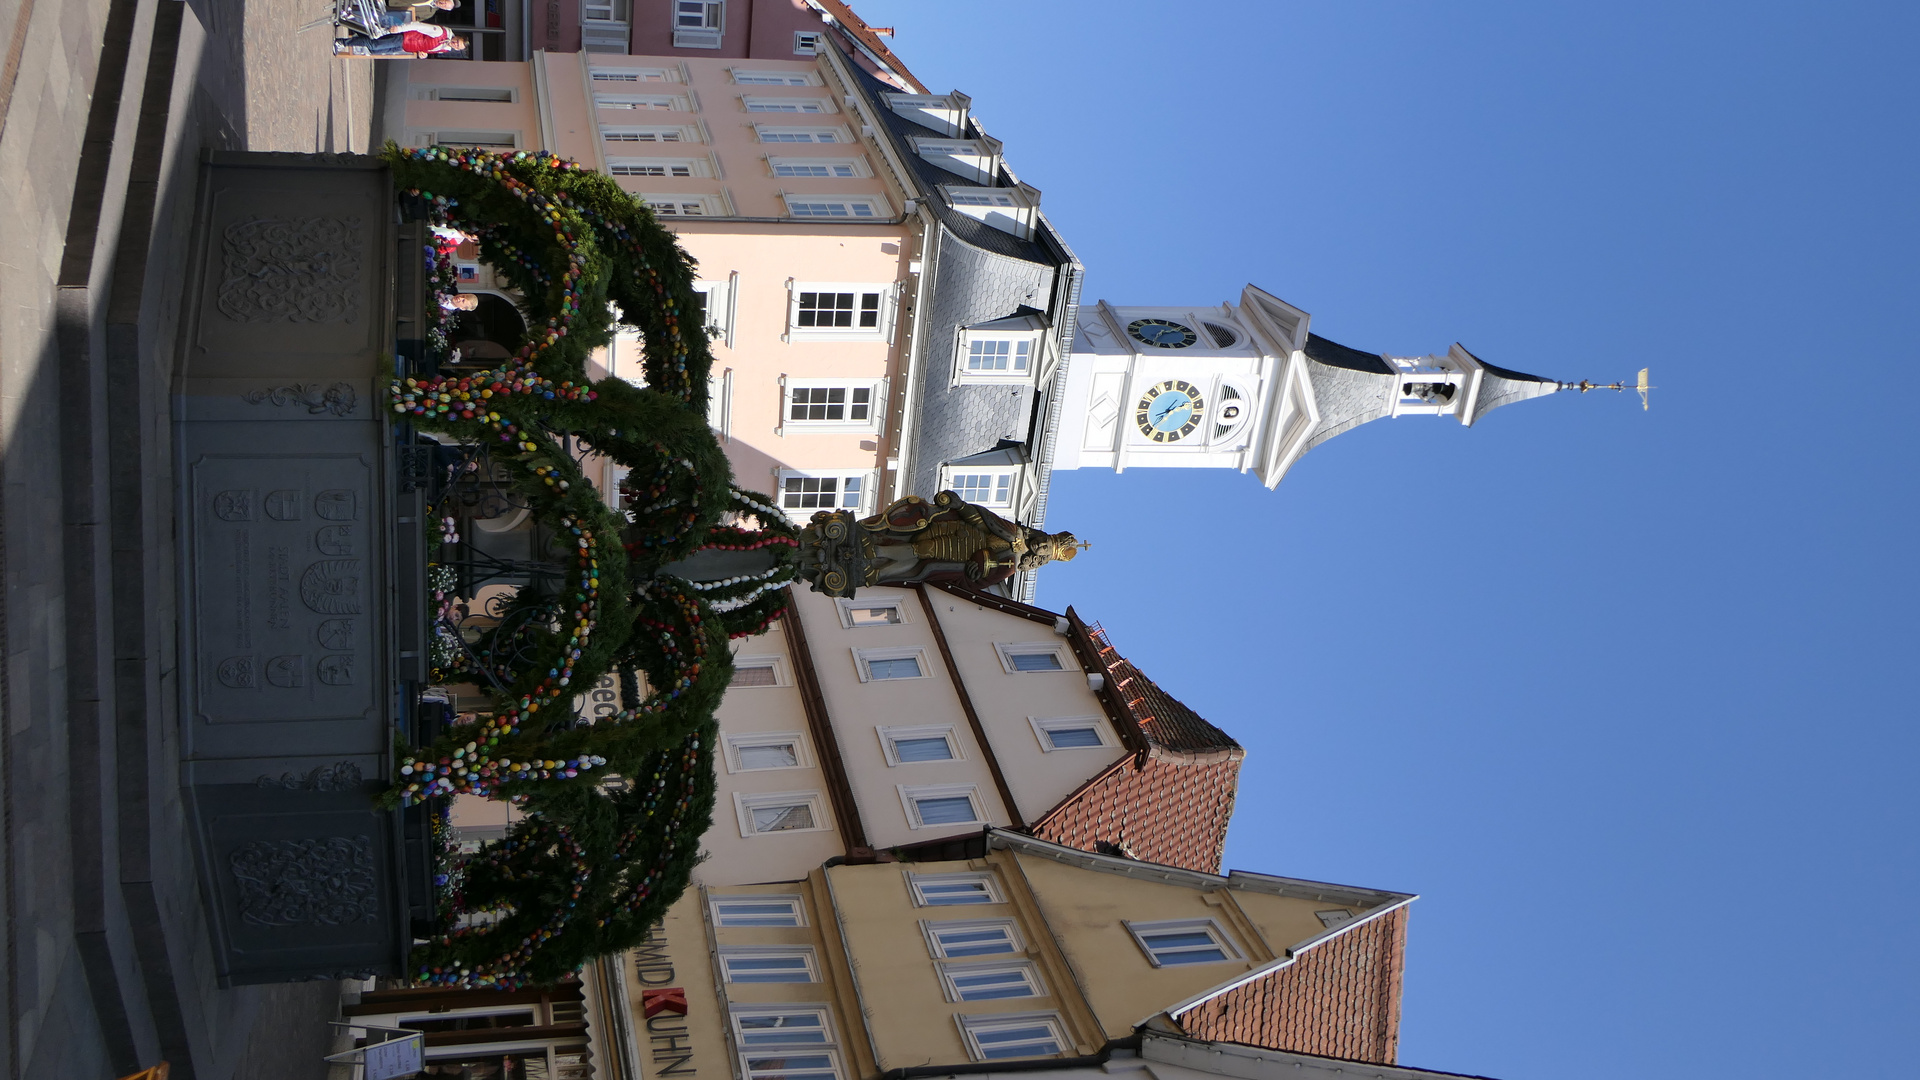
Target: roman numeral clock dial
{"x": 1170, "y": 411}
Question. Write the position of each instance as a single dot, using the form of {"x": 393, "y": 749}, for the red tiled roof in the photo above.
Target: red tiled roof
{"x": 1339, "y": 998}
{"x": 1168, "y": 812}
{"x": 1170, "y": 802}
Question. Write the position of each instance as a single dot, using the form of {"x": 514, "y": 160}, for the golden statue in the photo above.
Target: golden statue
{"x": 915, "y": 540}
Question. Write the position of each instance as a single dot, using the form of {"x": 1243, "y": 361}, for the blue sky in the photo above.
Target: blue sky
{"x": 1623, "y": 695}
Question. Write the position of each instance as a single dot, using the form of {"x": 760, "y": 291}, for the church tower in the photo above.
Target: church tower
{"x": 1248, "y": 387}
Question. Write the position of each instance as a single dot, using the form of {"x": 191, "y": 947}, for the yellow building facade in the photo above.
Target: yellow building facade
{"x": 1029, "y": 950}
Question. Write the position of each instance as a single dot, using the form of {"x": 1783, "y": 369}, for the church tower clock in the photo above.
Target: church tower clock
{"x": 1247, "y": 386}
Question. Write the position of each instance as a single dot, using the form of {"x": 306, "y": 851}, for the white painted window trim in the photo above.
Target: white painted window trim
{"x": 1029, "y": 973}
{"x": 1212, "y": 928}
{"x": 697, "y": 167}
{"x": 698, "y": 37}
{"x": 856, "y": 165}
{"x": 888, "y": 733}
{"x": 963, "y": 351}
{"x": 877, "y": 205}
{"x": 640, "y": 76}
{"x": 800, "y": 514}
{"x": 984, "y": 878}
{"x": 640, "y": 102}
{"x": 973, "y": 1024}
{"x": 1006, "y": 650}
{"x": 1044, "y": 725}
{"x": 792, "y": 901}
{"x": 776, "y": 1047}
{"x": 746, "y": 77}
{"x": 441, "y": 92}
{"x": 772, "y": 105}
{"x": 734, "y": 743}
{"x": 1332, "y": 917}
{"x": 808, "y": 42}
{"x": 686, "y": 135}
{"x": 862, "y": 657}
{"x": 744, "y": 804}
{"x": 931, "y": 928}
{"x": 450, "y": 137}
{"x": 876, "y": 400}
{"x": 948, "y": 472}
{"x": 719, "y": 302}
{"x": 711, "y": 205}
{"x": 841, "y": 136}
{"x": 777, "y": 663}
{"x": 911, "y": 792}
{"x": 728, "y": 952}
{"x": 848, "y": 606}
{"x": 882, "y": 328}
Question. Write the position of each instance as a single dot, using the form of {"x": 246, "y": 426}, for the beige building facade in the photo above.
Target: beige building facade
{"x": 1025, "y": 950}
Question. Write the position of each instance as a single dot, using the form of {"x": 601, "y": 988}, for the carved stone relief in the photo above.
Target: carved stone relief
{"x": 323, "y": 882}
{"x": 337, "y": 399}
{"x": 292, "y": 270}
{"x": 339, "y": 776}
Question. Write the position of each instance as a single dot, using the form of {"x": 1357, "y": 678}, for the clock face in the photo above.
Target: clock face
{"x": 1170, "y": 411}
{"x": 1162, "y": 333}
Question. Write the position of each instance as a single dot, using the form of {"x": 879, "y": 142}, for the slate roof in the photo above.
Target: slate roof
{"x": 857, "y": 28}
{"x": 980, "y": 274}
{"x": 1504, "y": 386}
{"x": 1340, "y": 997}
{"x": 1350, "y": 387}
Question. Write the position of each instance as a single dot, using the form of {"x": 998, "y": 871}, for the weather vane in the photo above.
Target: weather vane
{"x": 1642, "y": 385}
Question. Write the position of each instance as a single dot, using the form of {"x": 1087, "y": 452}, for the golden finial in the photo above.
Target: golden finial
{"x": 1642, "y": 385}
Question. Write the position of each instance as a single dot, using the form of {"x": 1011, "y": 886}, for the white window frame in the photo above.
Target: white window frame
{"x": 1029, "y": 975}
{"x": 864, "y": 506}
{"x": 1006, "y": 650}
{"x": 805, "y": 952}
{"x": 854, "y": 167}
{"x": 808, "y": 42}
{"x": 975, "y": 1024}
{"x": 766, "y": 77}
{"x": 789, "y": 136}
{"x": 791, "y": 901}
{"x": 898, "y": 604}
{"x": 1012, "y": 376}
{"x": 932, "y": 928}
{"x": 783, "y": 1064}
{"x": 469, "y": 137}
{"x": 1005, "y": 208}
{"x": 718, "y": 299}
{"x": 1011, "y": 473}
{"x": 690, "y": 168}
{"x": 639, "y": 102}
{"x": 862, "y": 658}
{"x": 706, "y": 32}
{"x": 734, "y": 743}
{"x": 873, "y": 208}
{"x": 650, "y": 135}
{"x": 767, "y": 105}
{"x": 882, "y": 329}
{"x": 744, "y": 804}
{"x": 742, "y": 1012}
{"x": 507, "y": 95}
{"x": 936, "y": 112}
{"x": 1333, "y": 917}
{"x": 876, "y": 403}
{"x": 1044, "y": 726}
{"x": 963, "y": 157}
{"x": 631, "y": 76}
{"x": 777, "y": 663}
{"x": 988, "y": 884}
{"x": 1208, "y": 926}
{"x": 910, "y": 794}
{"x": 888, "y": 733}
{"x": 680, "y": 204}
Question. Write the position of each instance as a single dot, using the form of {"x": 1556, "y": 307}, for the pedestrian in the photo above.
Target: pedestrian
{"x": 420, "y": 12}
{"x": 460, "y": 301}
{"x": 420, "y": 39}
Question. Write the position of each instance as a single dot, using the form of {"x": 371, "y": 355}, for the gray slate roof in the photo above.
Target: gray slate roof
{"x": 1350, "y": 387}
{"x": 980, "y": 274}
{"x": 1504, "y": 386}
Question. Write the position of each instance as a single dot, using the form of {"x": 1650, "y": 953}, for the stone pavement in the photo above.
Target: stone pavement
{"x": 104, "y": 108}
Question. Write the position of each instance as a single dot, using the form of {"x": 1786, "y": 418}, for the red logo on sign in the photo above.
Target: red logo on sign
{"x": 666, "y": 999}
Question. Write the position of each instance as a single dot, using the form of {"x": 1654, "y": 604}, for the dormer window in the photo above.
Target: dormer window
{"x": 944, "y": 113}
{"x": 977, "y": 160}
{"x": 1011, "y": 210}
{"x": 1001, "y": 351}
